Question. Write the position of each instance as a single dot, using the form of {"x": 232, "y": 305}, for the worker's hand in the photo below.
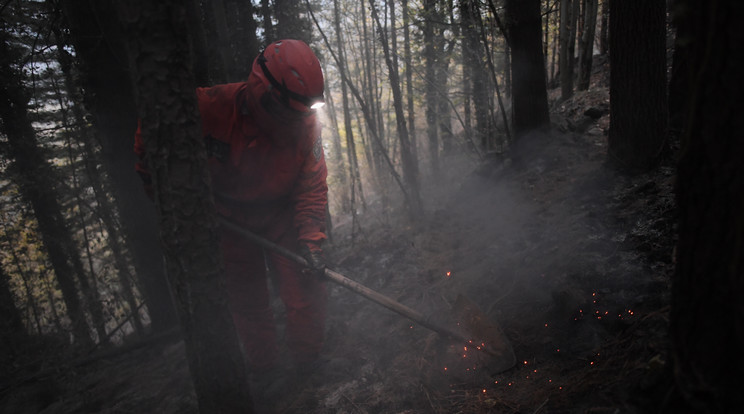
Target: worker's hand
{"x": 313, "y": 254}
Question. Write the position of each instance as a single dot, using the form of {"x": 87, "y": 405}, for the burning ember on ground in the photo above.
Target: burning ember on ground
{"x": 599, "y": 314}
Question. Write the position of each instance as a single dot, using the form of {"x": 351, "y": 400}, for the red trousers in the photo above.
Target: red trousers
{"x": 304, "y": 298}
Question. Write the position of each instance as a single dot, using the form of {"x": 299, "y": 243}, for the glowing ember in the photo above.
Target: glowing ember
{"x": 449, "y": 273}
{"x": 484, "y": 390}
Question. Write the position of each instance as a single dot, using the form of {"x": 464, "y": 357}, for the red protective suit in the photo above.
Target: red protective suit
{"x": 268, "y": 175}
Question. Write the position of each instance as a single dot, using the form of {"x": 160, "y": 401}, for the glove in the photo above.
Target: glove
{"x": 313, "y": 254}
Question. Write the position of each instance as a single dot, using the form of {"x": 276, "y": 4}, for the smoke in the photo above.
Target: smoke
{"x": 541, "y": 240}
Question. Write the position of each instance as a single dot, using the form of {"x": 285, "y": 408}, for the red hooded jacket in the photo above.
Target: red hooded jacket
{"x": 266, "y": 174}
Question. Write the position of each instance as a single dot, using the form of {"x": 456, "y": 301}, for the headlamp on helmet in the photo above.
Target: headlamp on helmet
{"x": 293, "y": 71}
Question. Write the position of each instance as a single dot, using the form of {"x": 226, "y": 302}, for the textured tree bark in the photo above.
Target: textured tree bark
{"x": 567, "y": 40}
{"x": 108, "y": 96}
{"x": 586, "y": 49}
{"x": 707, "y": 317}
{"x": 158, "y": 46}
{"x": 529, "y": 91}
{"x": 638, "y": 93}
{"x": 604, "y": 32}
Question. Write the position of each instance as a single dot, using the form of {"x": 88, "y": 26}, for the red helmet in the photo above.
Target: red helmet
{"x": 290, "y": 70}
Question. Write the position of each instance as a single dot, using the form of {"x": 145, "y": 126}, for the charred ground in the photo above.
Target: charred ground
{"x": 571, "y": 259}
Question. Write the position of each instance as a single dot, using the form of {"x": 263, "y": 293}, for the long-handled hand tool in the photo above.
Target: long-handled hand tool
{"x": 487, "y": 338}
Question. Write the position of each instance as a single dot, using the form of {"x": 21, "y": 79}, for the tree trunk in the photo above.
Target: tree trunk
{"x": 215, "y": 27}
{"x": 160, "y": 63}
{"x": 290, "y": 23}
{"x": 638, "y": 100}
{"x": 105, "y": 209}
{"x": 529, "y": 96}
{"x": 11, "y": 323}
{"x": 109, "y": 98}
{"x": 348, "y": 130}
{"x": 444, "y": 49}
{"x": 430, "y": 79}
{"x": 199, "y": 43}
{"x": 586, "y": 49}
{"x": 338, "y": 154}
{"x": 475, "y": 65}
{"x": 707, "y": 313}
{"x": 268, "y": 25}
{"x": 409, "y": 79}
{"x": 604, "y": 30}
{"x": 678, "y": 82}
{"x": 554, "y": 48}
{"x": 567, "y": 40}
{"x": 410, "y": 168}
{"x": 368, "y": 89}
{"x": 244, "y": 43}
{"x": 366, "y": 111}
{"x": 35, "y": 176}
{"x": 25, "y": 278}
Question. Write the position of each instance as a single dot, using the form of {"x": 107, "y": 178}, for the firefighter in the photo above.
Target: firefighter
{"x": 268, "y": 175}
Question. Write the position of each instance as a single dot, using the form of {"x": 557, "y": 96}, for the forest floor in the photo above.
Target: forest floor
{"x": 572, "y": 260}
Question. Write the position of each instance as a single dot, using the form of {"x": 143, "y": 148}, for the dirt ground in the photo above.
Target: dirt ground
{"x": 571, "y": 260}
